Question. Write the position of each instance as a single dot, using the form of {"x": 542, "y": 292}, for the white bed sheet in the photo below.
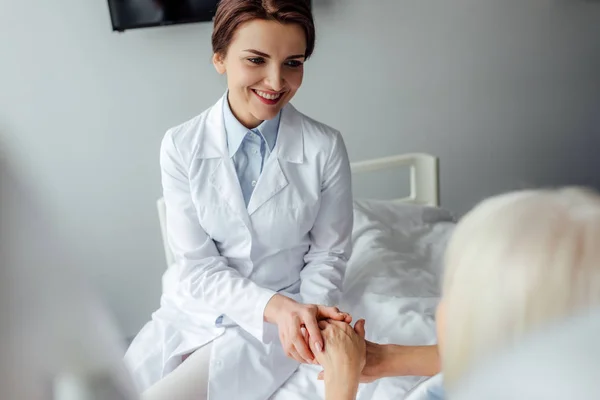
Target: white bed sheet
{"x": 393, "y": 281}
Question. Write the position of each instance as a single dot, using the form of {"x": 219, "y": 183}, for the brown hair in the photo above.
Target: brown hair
{"x": 232, "y": 13}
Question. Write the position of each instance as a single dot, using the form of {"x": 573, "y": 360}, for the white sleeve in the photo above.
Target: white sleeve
{"x": 331, "y": 235}
{"x": 206, "y": 276}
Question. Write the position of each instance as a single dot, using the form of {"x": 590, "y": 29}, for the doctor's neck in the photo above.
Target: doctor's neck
{"x": 244, "y": 117}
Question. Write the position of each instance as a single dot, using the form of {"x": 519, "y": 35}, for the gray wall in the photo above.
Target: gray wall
{"x": 505, "y": 92}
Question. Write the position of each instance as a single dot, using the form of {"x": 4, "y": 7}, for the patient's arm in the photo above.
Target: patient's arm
{"x": 341, "y": 384}
{"x": 393, "y": 360}
{"x": 387, "y": 360}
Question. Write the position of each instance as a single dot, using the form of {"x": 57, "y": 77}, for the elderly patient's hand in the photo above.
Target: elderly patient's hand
{"x": 344, "y": 353}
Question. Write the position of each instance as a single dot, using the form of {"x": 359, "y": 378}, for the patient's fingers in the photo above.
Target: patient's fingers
{"x": 359, "y": 328}
{"x": 321, "y": 375}
{"x": 348, "y": 318}
{"x": 339, "y": 324}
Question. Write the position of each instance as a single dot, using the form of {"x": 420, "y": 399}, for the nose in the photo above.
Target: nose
{"x": 274, "y": 78}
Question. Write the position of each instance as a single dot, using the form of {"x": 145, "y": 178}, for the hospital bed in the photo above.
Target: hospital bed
{"x": 393, "y": 276}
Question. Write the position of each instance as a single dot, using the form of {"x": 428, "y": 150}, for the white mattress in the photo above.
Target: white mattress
{"x": 393, "y": 281}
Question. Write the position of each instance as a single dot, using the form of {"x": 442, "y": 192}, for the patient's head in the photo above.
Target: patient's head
{"x": 515, "y": 263}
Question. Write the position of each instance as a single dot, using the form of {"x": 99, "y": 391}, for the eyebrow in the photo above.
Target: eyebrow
{"x": 265, "y": 55}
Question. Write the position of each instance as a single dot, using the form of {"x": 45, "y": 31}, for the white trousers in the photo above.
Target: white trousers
{"x": 189, "y": 381}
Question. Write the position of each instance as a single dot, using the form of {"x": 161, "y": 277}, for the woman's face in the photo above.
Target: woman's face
{"x": 264, "y": 67}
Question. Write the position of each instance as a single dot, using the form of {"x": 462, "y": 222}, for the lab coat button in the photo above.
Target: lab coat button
{"x": 253, "y": 183}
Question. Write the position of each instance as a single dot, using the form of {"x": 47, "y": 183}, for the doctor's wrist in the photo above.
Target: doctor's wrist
{"x": 278, "y": 304}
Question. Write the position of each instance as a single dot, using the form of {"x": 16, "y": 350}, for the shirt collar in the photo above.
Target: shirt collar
{"x": 236, "y": 132}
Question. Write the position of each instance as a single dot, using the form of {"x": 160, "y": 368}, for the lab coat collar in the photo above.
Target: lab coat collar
{"x": 290, "y": 139}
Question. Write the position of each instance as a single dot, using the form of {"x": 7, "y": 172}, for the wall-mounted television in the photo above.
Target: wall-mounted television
{"x": 133, "y": 14}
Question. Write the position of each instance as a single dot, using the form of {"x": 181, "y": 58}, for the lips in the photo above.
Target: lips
{"x": 269, "y": 98}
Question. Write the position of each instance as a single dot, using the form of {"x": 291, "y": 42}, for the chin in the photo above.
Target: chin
{"x": 266, "y": 114}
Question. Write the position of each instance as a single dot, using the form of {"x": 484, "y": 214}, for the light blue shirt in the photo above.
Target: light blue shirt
{"x": 249, "y": 148}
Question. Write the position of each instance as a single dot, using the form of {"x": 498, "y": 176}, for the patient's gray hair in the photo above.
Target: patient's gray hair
{"x": 515, "y": 263}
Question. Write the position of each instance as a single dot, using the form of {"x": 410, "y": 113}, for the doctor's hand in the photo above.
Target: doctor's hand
{"x": 298, "y": 325}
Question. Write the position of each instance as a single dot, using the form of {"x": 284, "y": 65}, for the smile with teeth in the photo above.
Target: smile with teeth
{"x": 267, "y": 96}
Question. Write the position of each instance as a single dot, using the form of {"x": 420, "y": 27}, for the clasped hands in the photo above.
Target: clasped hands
{"x": 315, "y": 334}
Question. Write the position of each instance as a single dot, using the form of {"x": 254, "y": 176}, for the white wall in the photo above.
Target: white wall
{"x": 506, "y": 92}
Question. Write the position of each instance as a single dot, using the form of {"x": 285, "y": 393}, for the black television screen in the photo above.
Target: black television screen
{"x": 131, "y": 14}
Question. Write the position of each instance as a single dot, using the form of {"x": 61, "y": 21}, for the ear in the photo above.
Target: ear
{"x": 219, "y": 63}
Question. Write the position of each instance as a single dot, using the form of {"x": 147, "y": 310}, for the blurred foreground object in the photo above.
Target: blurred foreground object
{"x": 57, "y": 340}
{"x": 553, "y": 364}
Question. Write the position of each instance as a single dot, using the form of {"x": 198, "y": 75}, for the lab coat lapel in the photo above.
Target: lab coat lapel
{"x": 288, "y": 149}
{"x": 271, "y": 181}
{"x": 225, "y": 181}
{"x": 224, "y": 178}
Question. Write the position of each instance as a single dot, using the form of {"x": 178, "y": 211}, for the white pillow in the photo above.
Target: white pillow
{"x": 399, "y": 215}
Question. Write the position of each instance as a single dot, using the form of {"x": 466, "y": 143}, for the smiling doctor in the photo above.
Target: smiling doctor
{"x": 259, "y": 218}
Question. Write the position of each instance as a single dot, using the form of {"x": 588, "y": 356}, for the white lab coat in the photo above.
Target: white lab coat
{"x": 294, "y": 237}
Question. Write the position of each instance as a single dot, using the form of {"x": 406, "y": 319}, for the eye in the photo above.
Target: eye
{"x": 257, "y": 60}
{"x": 294, "y": 63}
